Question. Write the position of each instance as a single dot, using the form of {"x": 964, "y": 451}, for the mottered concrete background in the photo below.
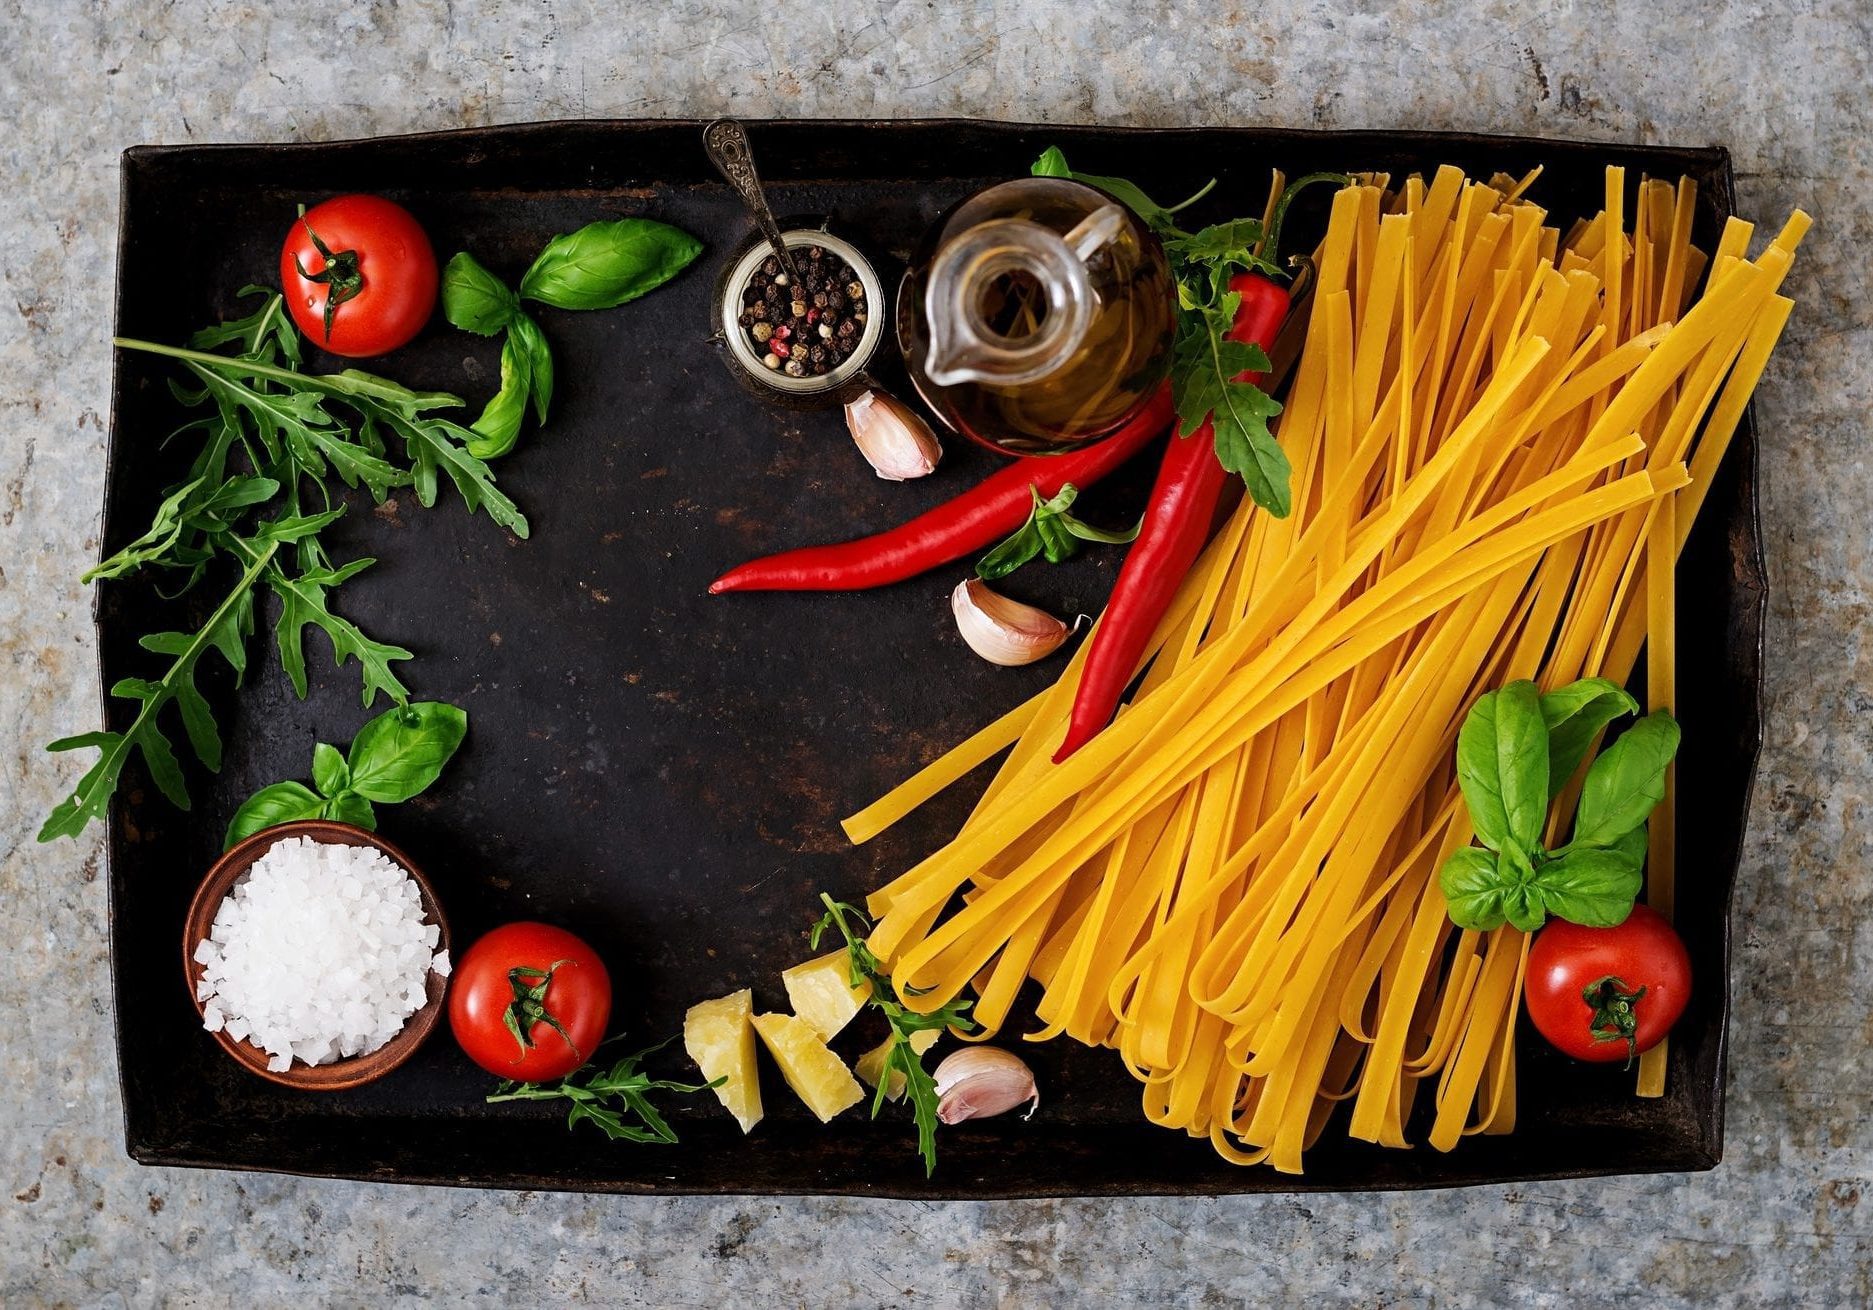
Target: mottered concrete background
{"x": 1785, "y": 1220}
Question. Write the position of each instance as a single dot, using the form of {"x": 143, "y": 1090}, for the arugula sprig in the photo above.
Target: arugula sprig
{"x": 1209, "y": 371}
{"x": 1051, "y": 531}
{"x": 257, "y": 495}
{"x": 1516, "y": 751}
{"x": 867, "y": 970}
{"x": 607, "y": 1098}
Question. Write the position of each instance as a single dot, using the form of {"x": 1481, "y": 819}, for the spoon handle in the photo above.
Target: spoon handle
{"x": 726, "y": 142}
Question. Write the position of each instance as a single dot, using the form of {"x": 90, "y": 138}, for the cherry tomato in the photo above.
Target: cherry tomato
{"x": 1605, "y": 994}
{"x": 359, "y": 275}
{"x": 530, "y": 1002}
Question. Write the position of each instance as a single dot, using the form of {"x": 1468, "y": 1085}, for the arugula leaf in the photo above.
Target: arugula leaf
{"x": 303, "y": 603}
{"x": 399, "y": 753}
{"x": 1575, "y": 714}
{"x": 1626, "y": 781}
{"x": 225, "y": 628}
{"x": 283, "y": 802}
{"x": 605, "y": 1098}
{"x": 1502, "y": 767}
{"x": 864, "y": 968}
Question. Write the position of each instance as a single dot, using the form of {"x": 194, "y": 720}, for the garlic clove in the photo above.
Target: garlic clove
{"x": 979, "y": 1081}
{"x": 1004, "y": 631}
{"x": 893, "y": 439}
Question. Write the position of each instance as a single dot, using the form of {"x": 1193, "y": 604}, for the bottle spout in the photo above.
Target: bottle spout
{"x": 1010, "y": 301}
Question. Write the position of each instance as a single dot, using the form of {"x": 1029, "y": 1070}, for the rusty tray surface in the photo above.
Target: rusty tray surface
{"x": 663, "y": 771}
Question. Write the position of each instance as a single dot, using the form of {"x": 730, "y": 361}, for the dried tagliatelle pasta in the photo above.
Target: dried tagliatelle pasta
{"x": 1500, "y": 435}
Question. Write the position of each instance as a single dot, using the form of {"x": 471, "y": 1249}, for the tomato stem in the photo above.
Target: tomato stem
{"x": 1614, "y": 1017}
{"x": 529, "y": 1007}
{"x": 340, "y": 276}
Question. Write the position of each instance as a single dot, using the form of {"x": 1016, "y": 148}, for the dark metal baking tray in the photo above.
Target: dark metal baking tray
{"x": 663, "y": 771}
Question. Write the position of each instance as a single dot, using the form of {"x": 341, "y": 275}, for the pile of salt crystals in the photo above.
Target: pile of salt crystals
{"x": 318, "y": 953}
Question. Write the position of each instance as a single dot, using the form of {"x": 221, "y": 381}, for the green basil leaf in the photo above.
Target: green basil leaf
{"x": 1057, "y": 543}
{"x": 401, "y": 751}
{"x": 539, "y": 362}
{"x": 283, "y": 802}
{"x": 1522, "y": 906}
{"x": 605, "y": 264}
{"x": 474, "y": 299}
{"x": 1626, "y": 781}
{"x": 1502, "y": 766}
{"x": 330, "y": 773}
{"x": 1052, "y": 163}
{"x": 1575, "y": 714}
{"x": 1594, "y": 888}
{"x": 349, "y": 807}
{"x": 498, "y": 428}
{"x": 1473, "y": 887}
{"x": 1011, "y": 554}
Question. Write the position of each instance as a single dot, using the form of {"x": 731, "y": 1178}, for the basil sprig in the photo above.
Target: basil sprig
{"x": 394, "y": 757}
{"x": 1515, "y": 752}
{"x": 600, "y": 266}
{"x": 1051, "y": 532}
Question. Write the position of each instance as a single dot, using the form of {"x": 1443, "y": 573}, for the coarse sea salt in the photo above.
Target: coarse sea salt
{"x": 318, "y": 953}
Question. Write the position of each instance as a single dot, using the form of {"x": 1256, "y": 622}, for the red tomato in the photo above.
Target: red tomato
{"x": 375, "y": 289}
{"x": 1606, "y": 994}
{"x": 530, "y": 1002}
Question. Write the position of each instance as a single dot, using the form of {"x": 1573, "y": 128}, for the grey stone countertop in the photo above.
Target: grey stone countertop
{"x": 1787, "y": 1218}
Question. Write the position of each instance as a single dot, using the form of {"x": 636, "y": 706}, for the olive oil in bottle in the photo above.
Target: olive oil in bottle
{"x": 1037, "y": 316}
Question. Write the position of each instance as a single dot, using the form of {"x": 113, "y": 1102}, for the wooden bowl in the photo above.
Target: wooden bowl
{"x": 341, "y": 1075}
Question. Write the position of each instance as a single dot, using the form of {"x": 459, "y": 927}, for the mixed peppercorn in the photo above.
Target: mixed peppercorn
{"x": 810, "y": 328}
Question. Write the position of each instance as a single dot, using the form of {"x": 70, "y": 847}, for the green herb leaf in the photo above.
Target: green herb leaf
{"x": 1053, "y": 163}
{"x": 1502, "y": 766}
{"x": 624, "y": 1085}
{"x": 1474, "y": 888}
{"x": 1575, "y": 714}
{"x": 283, "y": 802}
{"x": 1591, "y": 887}
{"x": 608, "y": 263}
{"x": 864, "y": 968}
{"x": 1050, "y": 531}
{"x": 224, "y": 630}
{"x": 330, "y": 773}
{"x": 539, "y": 362}
{"x": 474, "y": 299}
{"x": 399, "y": 753}
{"x": 1626, "y": 781}
{"x": 349, "y": 807}
{"x": 303, "y": 603}
{"x": 498, "y": 428}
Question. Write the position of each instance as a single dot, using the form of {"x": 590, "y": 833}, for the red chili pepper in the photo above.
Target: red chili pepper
{"x": 979, "y": 517}
{"x": 1176, "y": 524}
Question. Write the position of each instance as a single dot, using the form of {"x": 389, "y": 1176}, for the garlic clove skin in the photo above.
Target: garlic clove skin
{"x": 1004, "y": 631}
{"x": 980, "y": 1081}
{"x": 894, "y": 440}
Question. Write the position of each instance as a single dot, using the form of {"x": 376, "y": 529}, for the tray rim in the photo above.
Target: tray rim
{"x": 1699, "y": 1155}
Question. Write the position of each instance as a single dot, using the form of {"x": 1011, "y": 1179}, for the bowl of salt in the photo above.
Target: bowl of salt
{"x": 317, "y": 955}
